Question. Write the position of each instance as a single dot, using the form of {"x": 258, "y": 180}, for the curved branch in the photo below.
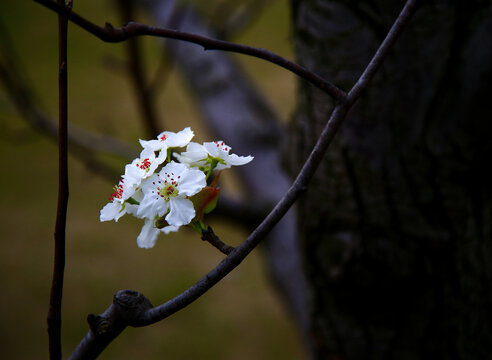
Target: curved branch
{"x": 132, "y": 29}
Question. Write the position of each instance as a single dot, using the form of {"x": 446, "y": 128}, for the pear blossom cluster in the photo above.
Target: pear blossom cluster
{"x": 167, "y": 186}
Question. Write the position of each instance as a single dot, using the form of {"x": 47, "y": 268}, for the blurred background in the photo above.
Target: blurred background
{"x": 242, "y": 317}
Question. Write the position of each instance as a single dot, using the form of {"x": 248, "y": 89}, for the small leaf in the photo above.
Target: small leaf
{"x": 205, "y": 201}
{"x": 198, "y": 226}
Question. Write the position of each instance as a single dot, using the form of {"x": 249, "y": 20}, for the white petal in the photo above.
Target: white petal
{"x": 148, "y": 235}
{"x": 191, "y": 182}
{"x": 147, "y": 153}
{"x": 161, "y": 157}
{"x": 166, "y": 230}
{"x": 235, "y": 160}
{"x": 128, "y": 191}
{"x": 152, "y": 205}
{"x": 194, "y": 153}
{"x": 131, "y": 209}
{"x": 175, "y": 168}
{"x": 213, "y": 149}
{"x": 181, "y": 213}
{"x": 138, "y": 195}
{"x": 111, "y": 211}
{"x": 133, "y": 175}
{"x": 149, "y": 184}
{"x": 155, "y": 145}
{"x": 181, "y": 138}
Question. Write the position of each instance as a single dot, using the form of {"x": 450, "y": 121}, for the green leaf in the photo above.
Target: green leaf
{"x": 132, "y": 201}
{"x": 198, "y": 226}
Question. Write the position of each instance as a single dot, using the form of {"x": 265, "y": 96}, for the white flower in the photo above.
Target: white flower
{"x": 168, "y": 190}
{"x": 142, "y": 167}
{"x": 215, "y": 153}
{"x": 148, "y": 235}
{"x": 119, "y": 205}
{"x": 169, "y": 139}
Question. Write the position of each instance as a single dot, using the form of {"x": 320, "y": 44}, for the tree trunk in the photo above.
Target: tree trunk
{"x": 396, "y": 226}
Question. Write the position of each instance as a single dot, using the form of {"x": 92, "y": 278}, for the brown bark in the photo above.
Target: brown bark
{"x": 396, "y": 226}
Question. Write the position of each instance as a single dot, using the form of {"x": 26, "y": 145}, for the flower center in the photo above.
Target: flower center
{"x": 144, "y": 165}
{"x": 168, "y": 187}
{"x": 168, "y": 191}
{"x": 163, "y": 137}
{"x": 118, "y": 191}
{"x": 222, "y": 146}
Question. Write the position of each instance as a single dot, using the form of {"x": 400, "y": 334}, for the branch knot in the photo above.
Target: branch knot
{"x": 99, "y": 325}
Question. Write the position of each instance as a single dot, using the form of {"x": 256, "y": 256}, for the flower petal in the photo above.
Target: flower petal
{"x": 166, "y": 230}
{"x": 148, "y": 235}
{"x": 191, "y": 182}
{"x": 181, "y": 212}
{"x": 181, "y": 138}
{"x": 195, "y": 155}
{"x": 112, "y": 211}
{"x": 152, "y": 205}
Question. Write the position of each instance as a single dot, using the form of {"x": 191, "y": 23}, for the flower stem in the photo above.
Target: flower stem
{"x": 213, "y": 164}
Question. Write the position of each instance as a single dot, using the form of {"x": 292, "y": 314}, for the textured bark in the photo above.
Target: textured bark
{"x": 396, "y": 226}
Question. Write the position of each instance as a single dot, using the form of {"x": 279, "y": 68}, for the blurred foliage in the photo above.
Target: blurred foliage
{"x": 241, "y": 318}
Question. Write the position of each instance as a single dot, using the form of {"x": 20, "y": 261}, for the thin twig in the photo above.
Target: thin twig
{"x": 21, "y": 93}
{"x": 209, "y": 236}
{"x": 155, "y": 314}
{"x": 132, "y": 29}
{"x": 54, "y": 312}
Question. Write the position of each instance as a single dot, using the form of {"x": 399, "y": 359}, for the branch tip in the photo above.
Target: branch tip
{"x": 209, "y": 236}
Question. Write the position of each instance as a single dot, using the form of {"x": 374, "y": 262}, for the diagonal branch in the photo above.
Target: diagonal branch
{"x": 143, "y": 93}
{"x": 383, "y": 50}
{"x": 132, "y": 29}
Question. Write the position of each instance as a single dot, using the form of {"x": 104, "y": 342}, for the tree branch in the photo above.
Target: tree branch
{"x": 209, "y": 236}
{"x": 132, "y": 29}
{"x": 143, "y": 92}
{"x": 383, "y": 50}
{"x": 54, "y": 312}
{"x": 127, "y": 305}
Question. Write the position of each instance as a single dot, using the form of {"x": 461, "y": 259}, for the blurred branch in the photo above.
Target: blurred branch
{"x": 22, "y": 96}
{"x": 132, "y": 29}
{"x": 56, "y": 294}
{"x": 235, "y": 109}
{"x": 234, "y": 19}
{"x": 83, "y": 144}
{"x": 154, "y": 314}
{"x": 249, "y": 213}
{"x": 144, "y": 94}
{"x": 381, "y": 53}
